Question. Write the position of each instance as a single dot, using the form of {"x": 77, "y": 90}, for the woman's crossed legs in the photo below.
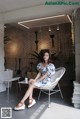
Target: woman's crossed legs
{"x": 29, "y": 93}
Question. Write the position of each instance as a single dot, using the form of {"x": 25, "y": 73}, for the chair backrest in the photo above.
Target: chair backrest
{"x": 8, "y": 74}
{"x": 59, "y": 72}
{"x": 1, "y": 76}
{"x": 5, "y": 75}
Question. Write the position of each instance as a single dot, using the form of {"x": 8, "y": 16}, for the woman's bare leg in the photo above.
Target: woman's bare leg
{"x": 28, "y": 93}
{"x": 31, "y": 95}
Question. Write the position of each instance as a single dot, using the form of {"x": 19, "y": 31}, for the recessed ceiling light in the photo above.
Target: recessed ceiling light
{"x": 40, "y": 29}
{"x": 49, "y": 28}
{"x": 57, "y": 27}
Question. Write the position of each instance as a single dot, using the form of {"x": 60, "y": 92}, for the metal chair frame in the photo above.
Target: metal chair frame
{"x": 51, "y": 89}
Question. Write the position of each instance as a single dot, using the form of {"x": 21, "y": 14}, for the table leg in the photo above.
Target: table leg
{"x": 8, "y": 89}
{"x": 8, "y": 92}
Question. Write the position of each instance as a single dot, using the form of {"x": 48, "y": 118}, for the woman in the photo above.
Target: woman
{"x": 43, "y": 78}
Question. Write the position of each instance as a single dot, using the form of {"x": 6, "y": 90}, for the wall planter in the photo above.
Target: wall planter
{"x": 76, "y": 95}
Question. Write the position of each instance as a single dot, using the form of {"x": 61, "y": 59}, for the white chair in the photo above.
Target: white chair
{"x": 59, "y": 72}
{"x": 2, "y": 85}
{"x": 8, "y": 79}
{"x": 8, "y": 74}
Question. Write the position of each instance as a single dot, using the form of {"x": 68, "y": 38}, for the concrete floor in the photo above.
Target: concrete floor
{"x": 39, "y": 110}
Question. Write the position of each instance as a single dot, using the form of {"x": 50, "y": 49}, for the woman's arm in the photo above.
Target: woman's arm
{"x": 34, "y": 80}
{"x": 38, "y": 75}
{"x": 44, "y": 76}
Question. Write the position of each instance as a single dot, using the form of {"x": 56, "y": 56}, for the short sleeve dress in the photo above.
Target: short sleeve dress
{"x": 50, "y": 68}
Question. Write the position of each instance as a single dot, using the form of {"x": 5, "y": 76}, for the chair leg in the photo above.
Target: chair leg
{"x": 10, "y": 85}
{"x": 60, "y": 91}
{"x": 39, "y": 95}
{"x": 49, "y": 99}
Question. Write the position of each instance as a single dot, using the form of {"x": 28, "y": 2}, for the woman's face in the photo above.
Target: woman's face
{"x": 46, "y": 56}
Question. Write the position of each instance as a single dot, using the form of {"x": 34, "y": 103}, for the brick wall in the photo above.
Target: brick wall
{"x": 23, "y": 42}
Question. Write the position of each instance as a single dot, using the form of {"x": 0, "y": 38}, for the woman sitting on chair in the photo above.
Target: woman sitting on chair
{"x": 43, "y": 78}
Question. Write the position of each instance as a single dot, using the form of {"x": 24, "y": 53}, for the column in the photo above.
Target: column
{"x": 77, "y": 43}
{"x": 76, "y": 92}
{"x": 2, "y": 86}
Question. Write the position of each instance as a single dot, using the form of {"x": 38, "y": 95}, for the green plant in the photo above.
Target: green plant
{"x": 6, "y": 39}
{"x": 39, "y": 56}
{"x": 36, "y": 56}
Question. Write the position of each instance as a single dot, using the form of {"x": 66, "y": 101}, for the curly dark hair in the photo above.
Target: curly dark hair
{"x": 43, "y": 53}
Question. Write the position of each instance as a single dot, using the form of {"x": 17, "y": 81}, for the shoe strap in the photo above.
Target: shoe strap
{"x": 20, "y": 103}
{"x": 31, "y": 101}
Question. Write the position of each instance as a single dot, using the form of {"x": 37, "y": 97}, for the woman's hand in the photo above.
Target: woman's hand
{"x": 31, "y": 81}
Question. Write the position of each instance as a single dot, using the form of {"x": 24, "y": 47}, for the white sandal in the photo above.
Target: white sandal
{"x": 33, "y": 102}
{"x": 20, "y": 107}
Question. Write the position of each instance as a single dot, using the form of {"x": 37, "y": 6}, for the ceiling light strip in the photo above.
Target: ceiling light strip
{"x": 69, "y": 18}
{"x": 42, "y": 18}
{"x": 23, "y": 25}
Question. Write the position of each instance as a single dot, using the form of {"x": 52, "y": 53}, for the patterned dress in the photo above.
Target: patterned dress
{"x": 50, "y": 68}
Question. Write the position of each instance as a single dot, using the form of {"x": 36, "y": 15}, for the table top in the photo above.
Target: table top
{"x": 23, "y": 82}
{"x": 12, "y": 79}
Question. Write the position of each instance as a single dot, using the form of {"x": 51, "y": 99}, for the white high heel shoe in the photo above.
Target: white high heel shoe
{"x": 32, "y": 103}
{"x": 22, "y": 107}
